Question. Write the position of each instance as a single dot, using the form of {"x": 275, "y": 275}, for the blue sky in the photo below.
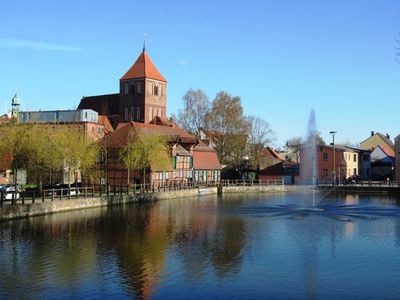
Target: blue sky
{"x": 282, "y": 58}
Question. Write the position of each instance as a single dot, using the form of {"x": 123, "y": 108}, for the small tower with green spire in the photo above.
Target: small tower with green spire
{"x": 15, "y": 107}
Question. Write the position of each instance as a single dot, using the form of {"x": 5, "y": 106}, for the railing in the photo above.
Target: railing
{"x": 50, "y": 195}
{"x": 252, "y": 182}
{"x": 365, "y": 183}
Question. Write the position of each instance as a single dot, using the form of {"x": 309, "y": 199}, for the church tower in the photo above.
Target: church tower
{"x": 143, "y": 92}
{"x": 15, "y": 107}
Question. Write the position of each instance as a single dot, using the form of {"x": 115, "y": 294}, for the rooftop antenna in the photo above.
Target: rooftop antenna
{"x": 144, "y": 41}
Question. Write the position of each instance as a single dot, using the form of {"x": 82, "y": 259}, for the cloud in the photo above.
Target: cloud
{"x": 33, "y": 45}
{"x": 183, "y": 62}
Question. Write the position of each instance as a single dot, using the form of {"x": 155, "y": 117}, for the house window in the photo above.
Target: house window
{"x": 354, "y": 158}
{"x": 156, "y": 90}
{"x": 325, "y": 156}
{"x": 325, "y": 172}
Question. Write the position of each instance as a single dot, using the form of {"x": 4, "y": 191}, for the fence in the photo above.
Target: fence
{"x": 46, "y": 195}
{"x": 364, "y": 183}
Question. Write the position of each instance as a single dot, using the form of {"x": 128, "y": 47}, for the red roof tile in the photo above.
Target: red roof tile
{"x": 106, "y": 123}
{"x": 143, "y": 68}
{"x": 205, "y": 160}
{"x": 268, "y": 151}
{"x": 120, "y": 136}
{"x": 387, "y": 150}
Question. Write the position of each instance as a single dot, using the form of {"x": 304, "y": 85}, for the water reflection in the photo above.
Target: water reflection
{"x": 201, "y": 247}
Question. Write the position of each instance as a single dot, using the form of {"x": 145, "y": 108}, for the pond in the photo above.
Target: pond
{"x": 232, "y": 247}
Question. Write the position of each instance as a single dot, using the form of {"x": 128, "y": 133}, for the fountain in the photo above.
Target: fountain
{"x": 308, "y": 160}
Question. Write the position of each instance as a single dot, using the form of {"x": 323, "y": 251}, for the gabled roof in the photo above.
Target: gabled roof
{"x": 119, "y": 137}
{"x": 383, "y": 138}
{"x": 106, "y": 123}
{"x": 387, "y": 150}
{"x": 104, "y": 104}
{"x": 205, "y": 158}
{"x": 268, "y": 151}
{"x": 143, "y": 68}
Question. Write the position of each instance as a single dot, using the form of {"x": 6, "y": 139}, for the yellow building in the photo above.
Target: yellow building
{"x": 375, "y": 140}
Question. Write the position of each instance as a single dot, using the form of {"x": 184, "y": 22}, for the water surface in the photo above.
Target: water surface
{"x": 234, "y": 247}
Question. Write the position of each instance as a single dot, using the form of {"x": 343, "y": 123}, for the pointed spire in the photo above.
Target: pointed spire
{"x": 144, "y": 41}
{"x": 143, "y": 68}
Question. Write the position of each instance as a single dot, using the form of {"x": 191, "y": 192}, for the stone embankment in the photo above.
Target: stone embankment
{"x": 8, "y": 212}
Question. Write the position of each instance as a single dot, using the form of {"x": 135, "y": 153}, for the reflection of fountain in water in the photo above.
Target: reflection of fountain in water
{"x": 339, "y": 212}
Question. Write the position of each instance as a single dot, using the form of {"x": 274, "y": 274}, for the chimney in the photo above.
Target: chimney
{"x": 372, "y": 133}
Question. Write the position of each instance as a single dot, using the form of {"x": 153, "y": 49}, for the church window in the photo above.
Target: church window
{"x": 126, "y": 89}
{"x": 139, "y": 88}
{"x": 156, "y": 90}
{"x": 150, "y": 88}
{"x": 132, "y": 114}
{"x": 161, "y": 90}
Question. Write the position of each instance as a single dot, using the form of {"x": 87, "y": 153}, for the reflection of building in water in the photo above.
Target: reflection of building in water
{"x": 141, "y": 247}
{"x": 352, "y": 199}
{"x": 349, "y": 230}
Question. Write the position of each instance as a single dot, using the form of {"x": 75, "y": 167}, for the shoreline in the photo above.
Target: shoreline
{"x": 11, "y": 212}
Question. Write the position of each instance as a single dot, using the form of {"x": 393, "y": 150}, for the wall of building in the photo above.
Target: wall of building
{"x": 397, "y": 157}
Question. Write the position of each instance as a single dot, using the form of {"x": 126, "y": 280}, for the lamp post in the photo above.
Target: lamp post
{"x": 334, "y": 157}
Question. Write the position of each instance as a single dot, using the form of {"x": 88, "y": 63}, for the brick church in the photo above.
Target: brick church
{"x": 141, "y": 106}
{"x": 142, "y": 96}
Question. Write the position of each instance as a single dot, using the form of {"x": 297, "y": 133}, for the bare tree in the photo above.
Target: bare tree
{"x": 294, "y": 145}
{"x": 195, "y": 107}
{"x": 260, "y": 135}
{"x": 227, "y": 121}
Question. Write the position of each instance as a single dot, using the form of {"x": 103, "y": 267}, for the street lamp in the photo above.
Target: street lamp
{"x": 334, "y": 156}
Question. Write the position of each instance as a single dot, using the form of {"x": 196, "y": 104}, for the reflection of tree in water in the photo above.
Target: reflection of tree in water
{"x": 229, "y": 239}
{"x": 42, "y": 250}
{"x": 207, "y": 239}
{"x": 140, "y": 238}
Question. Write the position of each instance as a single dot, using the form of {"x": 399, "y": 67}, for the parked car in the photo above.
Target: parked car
{"x": 9, "y": 190}
{"x": 57, "y": 188}
{"x": 354, "y": 179}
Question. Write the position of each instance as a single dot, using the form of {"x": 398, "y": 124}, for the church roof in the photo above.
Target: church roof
{"x": 143, "y": 67}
